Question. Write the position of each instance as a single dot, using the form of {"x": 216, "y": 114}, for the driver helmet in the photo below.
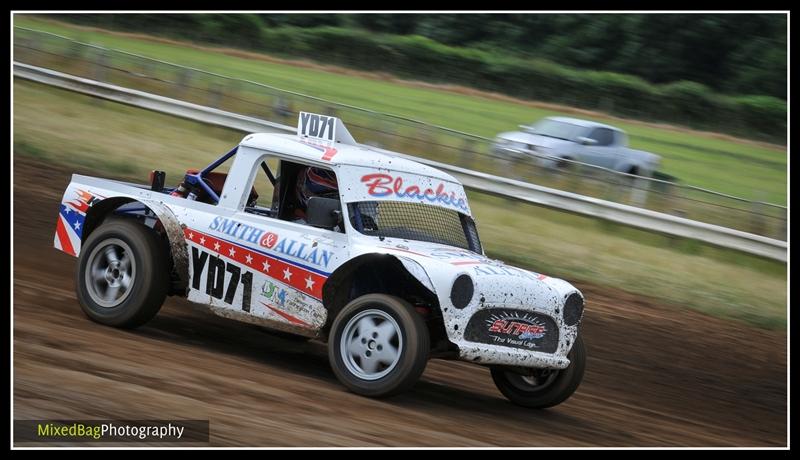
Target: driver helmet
{"x": 313, "y": 181}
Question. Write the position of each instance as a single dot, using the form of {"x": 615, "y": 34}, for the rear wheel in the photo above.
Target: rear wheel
{"x": 378, "y": 345}
{"x": 565, "y": 164}
{"x": 122, "y": 275}
{"x": 541, "y": 388}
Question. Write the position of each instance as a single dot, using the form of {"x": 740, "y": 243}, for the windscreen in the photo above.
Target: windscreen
{"x": 415, "y": 221}
{"x": 558, "y": 129}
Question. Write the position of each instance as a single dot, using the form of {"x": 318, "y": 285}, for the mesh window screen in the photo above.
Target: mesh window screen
{"x": 414, "y": 221}
{"x": 472, "y": 234}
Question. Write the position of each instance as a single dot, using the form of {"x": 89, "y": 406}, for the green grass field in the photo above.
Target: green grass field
{"x": 114, "y": 140}
{"x": 745, "y": 169}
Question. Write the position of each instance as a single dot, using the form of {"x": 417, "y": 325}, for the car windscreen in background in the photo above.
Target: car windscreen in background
{"x": 415, "y": 221}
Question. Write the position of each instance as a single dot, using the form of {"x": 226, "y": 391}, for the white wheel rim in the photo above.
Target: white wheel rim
{"x": 371, "y": 344}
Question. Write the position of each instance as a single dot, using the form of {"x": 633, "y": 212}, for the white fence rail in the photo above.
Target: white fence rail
{"x": 509, "y": 188}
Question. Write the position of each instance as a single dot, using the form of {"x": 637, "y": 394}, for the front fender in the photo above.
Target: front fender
{"x": 391, "y": 268}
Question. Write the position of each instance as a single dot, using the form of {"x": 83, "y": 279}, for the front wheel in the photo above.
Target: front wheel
{"x": 541, "y": 388}
{"x": 378, "y": 345}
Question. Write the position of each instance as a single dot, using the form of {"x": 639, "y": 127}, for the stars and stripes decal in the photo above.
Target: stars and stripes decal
{"x": 294, "y": 275}
{"x": 83, "y": 201}
{"x": 71, "y": 216}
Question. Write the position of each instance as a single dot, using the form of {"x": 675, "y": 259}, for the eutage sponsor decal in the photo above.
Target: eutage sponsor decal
{"x": 272, "y": 241}
{"x": 383, "y": 185}
{"x": 513, "y": 328}
{"x": 524, "y": 326}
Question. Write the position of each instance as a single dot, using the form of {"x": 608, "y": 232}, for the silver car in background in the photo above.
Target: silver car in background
{"x": 554, "y": 141}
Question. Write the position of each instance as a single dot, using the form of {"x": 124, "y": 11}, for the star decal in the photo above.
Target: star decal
{"x": 287, "y": 275}
{"x": 216, "y": 246}
{"x": 249, "y": 259}
{"x": 309, "y": 283}
{"x": 203, "y": 240}
{"x": 67, "y": 209}
{"x": 191, "y": 236}
{"x": 231, "y": 251}
{"x": 266, "y": 265}
{"x": 77, "y": 225}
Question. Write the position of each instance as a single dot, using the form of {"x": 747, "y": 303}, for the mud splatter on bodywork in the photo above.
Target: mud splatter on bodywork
{"x": 526, "y": 309}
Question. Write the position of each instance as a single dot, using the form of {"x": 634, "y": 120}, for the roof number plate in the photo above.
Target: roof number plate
{"x": 323, "y": 128}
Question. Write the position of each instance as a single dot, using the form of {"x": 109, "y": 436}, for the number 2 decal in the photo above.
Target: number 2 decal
{"x": 215, "y": 278}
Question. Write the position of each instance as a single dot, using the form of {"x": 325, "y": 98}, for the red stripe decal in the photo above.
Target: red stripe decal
{"x": 287, "y": 316}
{"x": 329, "y": 154}
{"x": 63, "y": 237}
{"x": 467, "y": 262}
{"x": 305, "y": 281}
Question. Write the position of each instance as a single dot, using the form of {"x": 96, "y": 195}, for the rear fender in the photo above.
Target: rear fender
{"x": 79, "y": 218}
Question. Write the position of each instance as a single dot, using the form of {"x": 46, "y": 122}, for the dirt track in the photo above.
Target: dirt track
{"x": 656, "y": 376}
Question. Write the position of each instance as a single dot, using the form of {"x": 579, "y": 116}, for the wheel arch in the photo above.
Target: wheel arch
{"x": 563, "y": 160}
{"x": 170, "y": 228}
{"x": 378, "y": 273}
{"x": 629, "y": 167}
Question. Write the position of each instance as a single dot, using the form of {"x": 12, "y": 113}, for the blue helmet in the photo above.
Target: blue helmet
{"x": 316, "y": 182}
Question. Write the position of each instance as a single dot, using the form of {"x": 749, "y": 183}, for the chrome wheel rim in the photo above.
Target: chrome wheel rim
{"x": 371, "y": 344}
{"x": 110, "y": 273}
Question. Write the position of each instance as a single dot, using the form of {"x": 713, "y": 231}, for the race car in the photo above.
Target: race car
{"x": 318, "y": 236}
{"x": 555, "y": 141}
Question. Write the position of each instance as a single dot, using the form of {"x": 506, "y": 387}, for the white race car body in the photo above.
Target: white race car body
{"x": 274, "y": 272}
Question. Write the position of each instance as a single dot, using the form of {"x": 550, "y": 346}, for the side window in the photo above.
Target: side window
{"x": 620, "y": 138}
{"x": 603, "y": 136}
{"x": 299, "y": 183}
{"x": 263, "y": 199}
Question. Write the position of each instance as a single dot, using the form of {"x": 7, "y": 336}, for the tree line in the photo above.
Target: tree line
{"x": 731, "y": 53}
{"x": 711, "y": 71}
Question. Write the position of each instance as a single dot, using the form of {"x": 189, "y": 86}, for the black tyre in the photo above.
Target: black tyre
{"x": 564, "y": 164}
{"x": 123, "y": 274}
{"x": 541, "y": 388}
{"x": 378, "y": 345}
